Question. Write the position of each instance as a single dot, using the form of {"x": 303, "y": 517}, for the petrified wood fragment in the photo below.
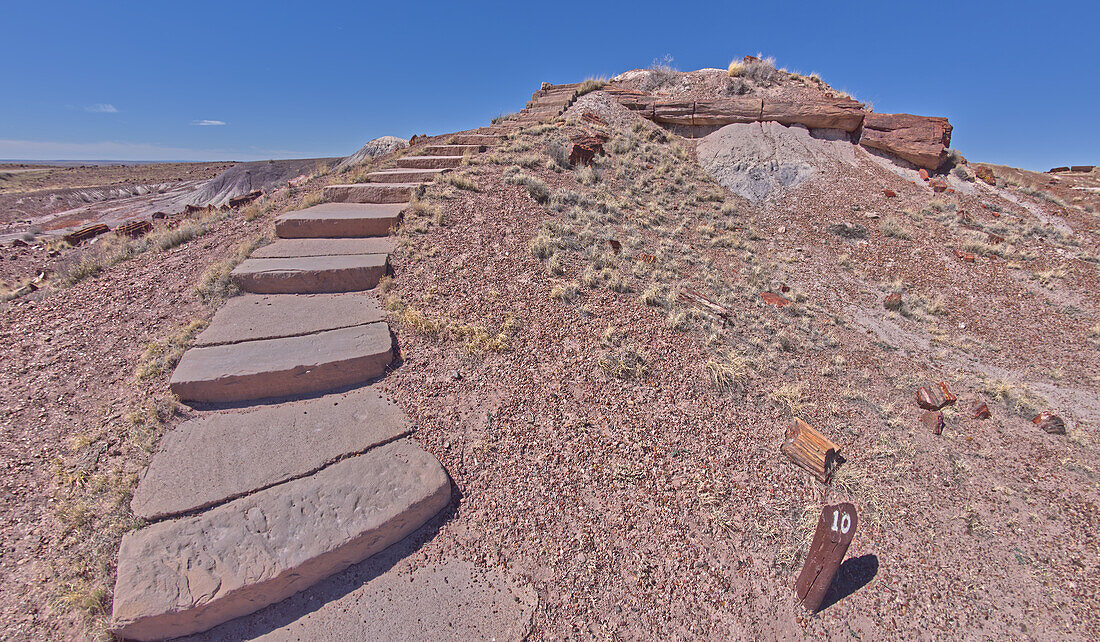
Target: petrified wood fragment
{"x": 810, "y": 450}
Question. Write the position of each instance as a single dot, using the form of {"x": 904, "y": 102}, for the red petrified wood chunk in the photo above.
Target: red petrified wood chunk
{"x": 592, "y": 118}
{"x": 939, "y": 186}
{"x": 935, "y": 397}
{"x": 810, "y": 450}
{"x": 889, "y": 193}
{"x": 1050, "y": 423}
{"x": 892, "y": 301}
{"x": 771, "y": 298}
{"x": 948, "y": 398}
{"x": 965, "y": 256}
{"x": 835, "y": 529}
{"x": 923, "y": 174}
{"x": 933, "y": 419}
{"x": 980, "y": 410}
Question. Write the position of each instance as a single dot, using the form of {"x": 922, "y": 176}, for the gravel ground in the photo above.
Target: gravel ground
{"x": 661, "y": 507}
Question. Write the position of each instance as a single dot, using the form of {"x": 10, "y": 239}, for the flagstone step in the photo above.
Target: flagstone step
{"x": 310, "y": 274}
{"x": 370, "y": 192}
{"x": 399, "y": 594}
{"x": 290, "y": 248}
{"x": 404, "y": 175}
{"x": 219, "y": 457}
{"x": 187, "y": 575}
{"x": 251, "y": 317}
{"x": 283, "y": 367}
{"x": 339, "y": 220}
{"x": 429, "y": 162}
{"x": 467, "y": 138}
{"x": 452, "y": 150}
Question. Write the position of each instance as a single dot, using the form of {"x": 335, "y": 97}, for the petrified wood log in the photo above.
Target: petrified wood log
{"x": 85, "y": 233}
{"x": 725, "y": 111}
{"x": 835, "y": 529}
{"x": 810, "y": 450}
{"x": 674, "y": 112}
{"x": 839, "y": 113}
{"x": 245, "y": 199}
{"x": 134, "y": 229}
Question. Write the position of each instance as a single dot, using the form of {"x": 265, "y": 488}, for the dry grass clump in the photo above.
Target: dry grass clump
{"x": 536, "y": 187}
{"x": 848, "y": 231}
{"x": 787, "y": 397}
{"x": 160, "y": 357}
{"x": 565, "y": 292}
{"x": 214, "y": 286}
{"x": 591, "y": 84}
{"x": 890, "y": 227}
{"x": 460, "y": 180}
{"x": 622, "y": 363}
{"x": 728, "y": 373}
{"x": 169, "y": 238}
{"x": 661, "y": 74}
{"x": 475, "y": 338}
{"x": 1017, "y": 397}
{"x": 761, "y": 70}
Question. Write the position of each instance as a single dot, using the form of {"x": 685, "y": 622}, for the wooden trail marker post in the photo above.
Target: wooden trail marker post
{"x": 835, "y": 529}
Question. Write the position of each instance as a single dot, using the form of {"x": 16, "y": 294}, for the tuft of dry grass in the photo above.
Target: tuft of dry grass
{"x": 160, "y": 357}
{"x": 728, "y": 373}
{"x": 787, "y": 397}
{"x": 591, "y": 84}
{"x": 621, "y": 363}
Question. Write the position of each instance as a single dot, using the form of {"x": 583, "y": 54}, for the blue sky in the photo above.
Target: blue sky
{"x": 253, "y": 80}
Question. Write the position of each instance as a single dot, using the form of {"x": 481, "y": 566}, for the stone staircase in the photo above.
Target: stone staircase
{"x": 309, "y": 472}
{"x": 547, "y": 103}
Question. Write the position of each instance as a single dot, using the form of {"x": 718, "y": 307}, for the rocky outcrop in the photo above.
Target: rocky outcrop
{"x": 373, "y": 149}
{"x": 921, "y": 140}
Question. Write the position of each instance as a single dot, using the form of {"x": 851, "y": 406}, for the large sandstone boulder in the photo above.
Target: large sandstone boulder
{"x": 837, "y": 113}
{"x": 921, "y": 140}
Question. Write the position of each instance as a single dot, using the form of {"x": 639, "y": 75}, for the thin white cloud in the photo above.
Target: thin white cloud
{"x": 102, "y": 108}
{"x": 208, "y": 123}
{"x": 114, "y": 150}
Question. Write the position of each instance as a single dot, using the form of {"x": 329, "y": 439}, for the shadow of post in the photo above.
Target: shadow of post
{"x": 853, "y": 574}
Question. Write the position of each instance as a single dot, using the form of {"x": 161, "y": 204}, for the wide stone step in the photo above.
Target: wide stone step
{"x": 283, "y": 367}
{"x": 399, "y": 594}
{"x": 429, "y": 162}
{"x": 251, "y": 317}
{"x": 404, "y": 175}
{"x": 289, "y": 248}
{"x": 474, "y": 139}
{"x": 222, "y": 456}
{"x": 452, "y": 150}
{"x": 339, "y": 220}
{"x": 188, "y": 575}
{"x": 310, "y": 274}
{"x": 370, "y": 192}
{"x": 550, "y": 102}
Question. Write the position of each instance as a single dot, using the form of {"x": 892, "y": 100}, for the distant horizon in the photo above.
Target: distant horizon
{"x": 123, "y": 161}
{"x": 975, "y": 63}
